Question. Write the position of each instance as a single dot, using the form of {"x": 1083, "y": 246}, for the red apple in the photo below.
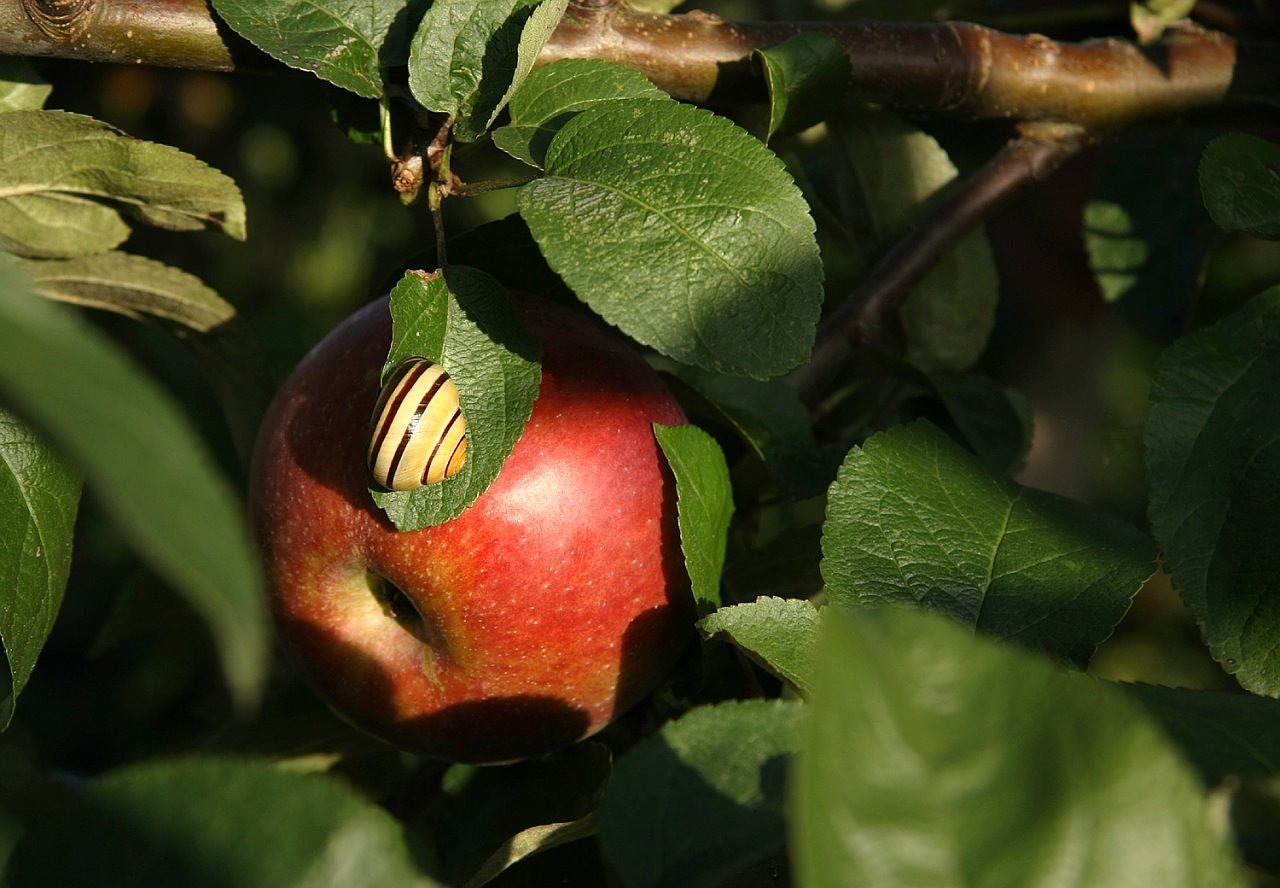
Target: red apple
{"x": 551, "y": 605}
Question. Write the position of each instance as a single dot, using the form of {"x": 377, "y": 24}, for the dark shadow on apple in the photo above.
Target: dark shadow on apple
{"x": 502, "y": 729}
{"x": 651, "y": 647}
{"x": 655, "y": 640}
{"x": 487, "y": 731}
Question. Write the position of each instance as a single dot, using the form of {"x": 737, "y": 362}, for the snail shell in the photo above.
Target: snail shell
{"x": 419, "y": 433}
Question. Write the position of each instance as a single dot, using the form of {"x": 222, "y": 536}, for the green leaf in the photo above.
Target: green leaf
{"x": 21, "y": 88}
{"x": 533, "y": 36}
{"x": 504, "y": 249}
{"x": 705, "y": 794}
{"x": 145, "y": 463}
{"x": 913, "y": 519}
{"x": 935, "y": 757}
{"x": 554, "y": 93}
{"x": 899, "y": 169}
{"x": 340, "y": 41}
{"x": 529, "y": 842}
{"x": 950, "y": 314}
{"x": 218, "y": 822}
{"x": 994, "y": 420}
{"x": 683, "y": 231}
{"x": 1223, "y": 734}
{"x": 778, "y": 633}
{"x": 1213, "y": 470}
{"x": 1240, "y": 181}
{"x": 464, "y": 321}
{"x": 704, "y": 503}
{"x": 1150, "y": 18}
{"x": 134, "y": 286}
{"x": 469, "y": 56}
{"x": 1142, "y": 234}
{"x": 774, "y": 424}
{"x": 67, "y": 182}
{"x": 39, "y": 496}
{"x": 805, "y": 75}
{"x": 488, "y": 808}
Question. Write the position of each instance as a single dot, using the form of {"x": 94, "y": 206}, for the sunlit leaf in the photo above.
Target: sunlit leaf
{"x": 21, "y": 88}
{"x": 70, "y": 184}
{"x": 131, "y": 285}
{"x": 913, "y": 519}
{"x": 554, "y": 93}
{"x": 683, "y": 231}
{"x": 933, "y": 756}
{"x": 469, "y": 56}
{"x": 705, "y": 793}
{"x": 704, "y": 502}
{"x": 340, "y": 41}
{"x": 779, "y": 633}
{"x": 804, "y": 74}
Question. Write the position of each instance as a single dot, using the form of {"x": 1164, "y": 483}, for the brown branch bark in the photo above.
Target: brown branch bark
{"x": 166, "y": 33}
{"x": 953, "y": 69}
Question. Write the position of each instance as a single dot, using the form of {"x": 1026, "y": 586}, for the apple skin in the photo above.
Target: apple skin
{"x": 549, "y": 607}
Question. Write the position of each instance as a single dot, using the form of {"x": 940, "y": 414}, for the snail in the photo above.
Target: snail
{"x": 419, "y": 432}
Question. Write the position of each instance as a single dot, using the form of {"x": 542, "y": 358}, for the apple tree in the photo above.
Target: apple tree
{"x": 959, "y": 334}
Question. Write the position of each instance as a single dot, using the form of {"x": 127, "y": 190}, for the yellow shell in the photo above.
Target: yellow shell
{"x": 419, "y": 434}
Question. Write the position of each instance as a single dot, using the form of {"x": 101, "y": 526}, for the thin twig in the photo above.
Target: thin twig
{"x": 1022, "y": 162}
{"x": 439, "y": 155}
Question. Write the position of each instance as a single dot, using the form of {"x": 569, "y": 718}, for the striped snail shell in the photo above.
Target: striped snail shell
{"x": 419, "y": 435}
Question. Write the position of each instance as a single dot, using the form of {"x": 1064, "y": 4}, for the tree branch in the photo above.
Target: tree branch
{"x": 166, "y": 33}
{"x": 1021, "y": 163}
{"x": 956, "y": 70}
{"x": 952, "y": 69}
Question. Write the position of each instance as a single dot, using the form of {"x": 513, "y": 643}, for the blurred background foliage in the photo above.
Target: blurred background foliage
{"x": 129, "y": 673}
